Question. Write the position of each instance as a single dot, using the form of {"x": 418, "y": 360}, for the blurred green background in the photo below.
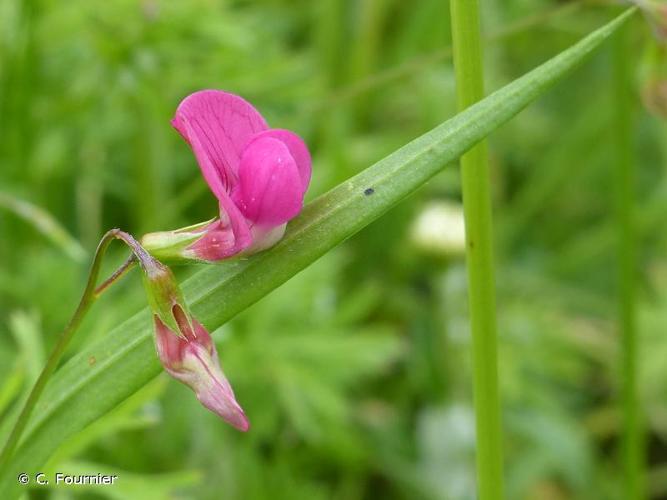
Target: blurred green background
{"x": 356, "y": 373}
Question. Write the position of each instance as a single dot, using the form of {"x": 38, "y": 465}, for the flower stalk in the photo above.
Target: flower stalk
{"x": 632, "y": 441}
{"x": 90, "y": 294}
{"x": 184, "y": 347}
{"x": 479, "y": 256}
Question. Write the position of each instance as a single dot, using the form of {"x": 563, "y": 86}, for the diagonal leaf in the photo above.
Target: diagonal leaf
{"x": 124, "y": 361}
{"x": 45, "y": 223}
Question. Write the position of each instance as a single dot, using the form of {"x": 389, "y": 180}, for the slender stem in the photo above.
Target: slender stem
{"x": 632, "y": 447}
{"x": 117, "y": 274}
{"x": 89, "y": 296}
{"x": 479, "y": 251}
{"x": 45, "y": 223}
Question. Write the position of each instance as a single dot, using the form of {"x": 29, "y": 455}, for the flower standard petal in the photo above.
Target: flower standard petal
{"x": 230, "y": 216}
{"x": 217, "y": 125}
{"x": 270, "y": 190}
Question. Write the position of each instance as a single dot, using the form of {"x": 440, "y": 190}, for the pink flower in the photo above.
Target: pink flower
{"x": 191, "y": 357}
{"x": 259, "y": 176}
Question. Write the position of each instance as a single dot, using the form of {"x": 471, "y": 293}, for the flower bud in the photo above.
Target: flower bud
{"x": 185, "y": 348}
{"x": 191, "y": 357}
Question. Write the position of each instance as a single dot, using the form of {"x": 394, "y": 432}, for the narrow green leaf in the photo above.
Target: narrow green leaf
{"x": 12, "y": 382}
{"x": 45, "y": 223}
{"x": 26, "y": 330}
{"x": 104, "y": 374}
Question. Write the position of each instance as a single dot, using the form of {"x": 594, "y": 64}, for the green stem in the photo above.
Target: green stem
{"x": 117, "y": 274}
{"x": 90, "y": 294}
{"x": 632, "y": 438}
{"x": 45, "y": 223}
{"x": 479, "y": 251}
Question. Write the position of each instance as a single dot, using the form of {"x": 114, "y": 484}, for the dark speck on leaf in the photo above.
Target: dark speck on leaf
{"x": 92, "y": 360}
{"x": 369, "y": 191}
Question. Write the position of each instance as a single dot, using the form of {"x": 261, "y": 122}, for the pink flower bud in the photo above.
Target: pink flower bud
{"x": 184, "y": 347}
{"x": 190, "y": 356}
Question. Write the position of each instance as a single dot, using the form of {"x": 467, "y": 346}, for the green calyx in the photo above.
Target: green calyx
{"x": 164, "y": 294}
{"x": 173, "y": 245}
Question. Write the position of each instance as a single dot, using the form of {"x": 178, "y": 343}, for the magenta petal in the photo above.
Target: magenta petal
{"x": 221, "y": 241}
{"x": 217, "y": 125}
{"x": 229, "y": 212}
{"x": 214, "y": 390}
{"x": 232, "y": 217}
{"x": 297, "y": 149}
{"x": 216, "y": 394}
{"x": 169, "y": 345}
{"x": 269, "y": 191}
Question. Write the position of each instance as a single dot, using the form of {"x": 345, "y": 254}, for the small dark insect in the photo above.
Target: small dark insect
{"x": 92, "y": 360}
{"x": 369, "y": 191}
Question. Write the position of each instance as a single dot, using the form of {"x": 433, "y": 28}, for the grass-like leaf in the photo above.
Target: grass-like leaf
{"x": 124, "y": 361}
{"x": 45, "y": 223}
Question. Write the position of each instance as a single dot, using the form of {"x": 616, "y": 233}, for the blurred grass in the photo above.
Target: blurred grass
{"x": 337, "y": 369}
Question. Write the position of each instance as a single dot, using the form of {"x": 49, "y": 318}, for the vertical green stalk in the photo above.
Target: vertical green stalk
{"x": 632, "y": 448}
{"x": 479, "y": 256}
